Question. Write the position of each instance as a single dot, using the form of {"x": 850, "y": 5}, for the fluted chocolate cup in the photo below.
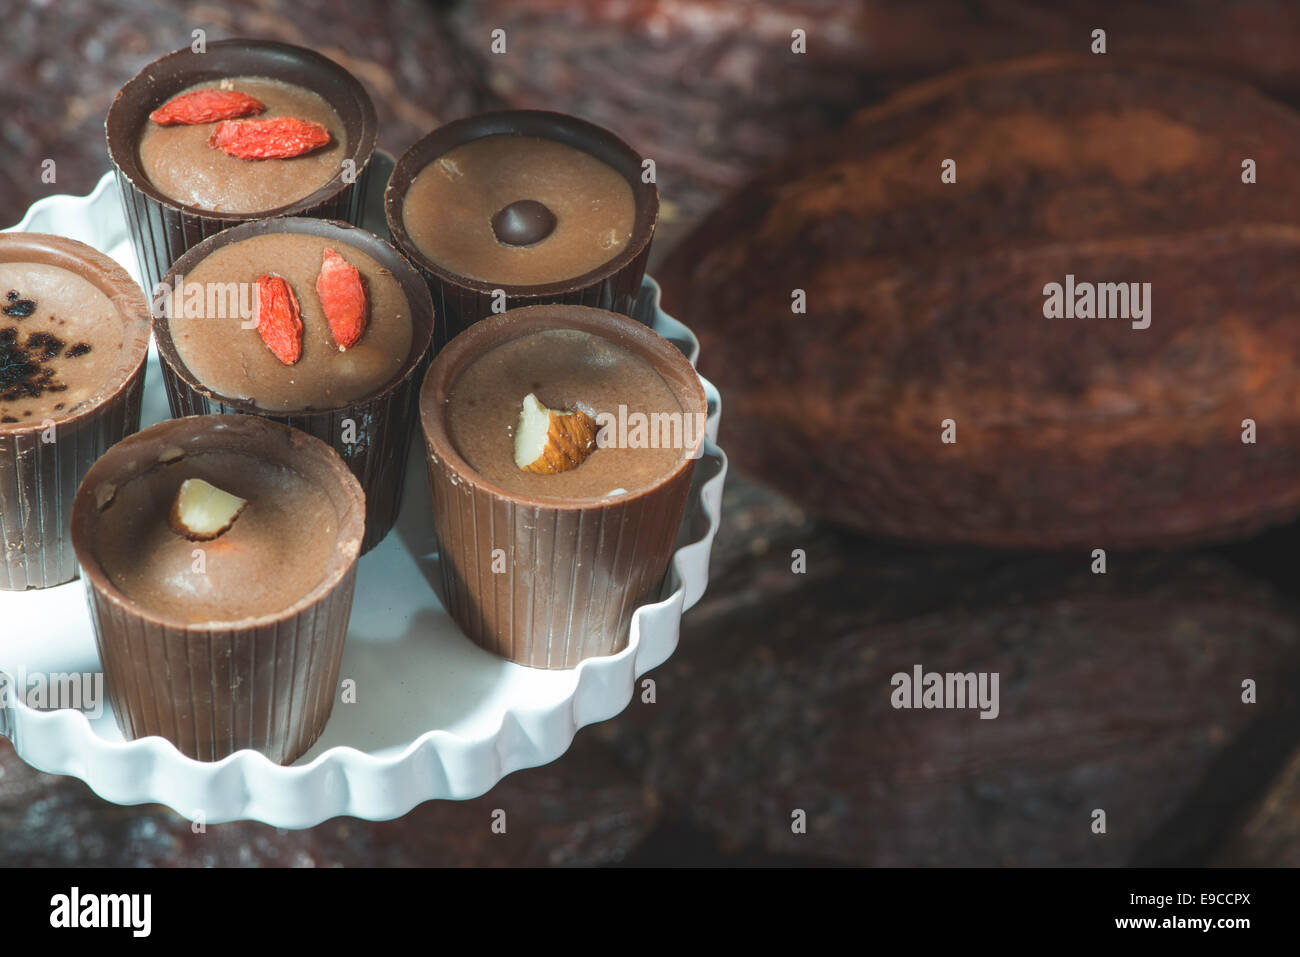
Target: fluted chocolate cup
{"x": 575, "y": 570}
{"x": 462, "y": 301}
{"x": 161, "y": 228}
{"x": 213, "y": 688}
{"x": 384, "y": 420}
{"x": 41, "y": 465}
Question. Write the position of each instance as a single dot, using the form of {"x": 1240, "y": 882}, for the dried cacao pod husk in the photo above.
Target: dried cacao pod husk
{"x": 925, "y": 304}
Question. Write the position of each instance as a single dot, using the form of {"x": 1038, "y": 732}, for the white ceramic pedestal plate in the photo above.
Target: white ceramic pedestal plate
{"x": 434, "y": 716}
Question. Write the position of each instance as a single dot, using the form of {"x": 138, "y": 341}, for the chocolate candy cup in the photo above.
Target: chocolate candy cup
{"x": 162, "y": 228}
{"x": 266, "y": 683}
{"x": 462, "y": 301}
{"x": 384, "y": 420}
{"x": 38, "y": 479}
{"x": 576, "y": 570}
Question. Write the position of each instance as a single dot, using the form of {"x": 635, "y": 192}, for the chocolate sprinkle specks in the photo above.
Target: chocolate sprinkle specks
{"x": 22, "y": 371}
{"x": 80, "y": 349}
{"x": 20, "y": 308}
{"x": 48, "y": 345}
{"x": 8, "y": 418}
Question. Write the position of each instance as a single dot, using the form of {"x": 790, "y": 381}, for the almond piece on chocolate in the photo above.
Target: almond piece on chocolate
{"x": 547, "y": 441}
{"x": 202, "y": 511}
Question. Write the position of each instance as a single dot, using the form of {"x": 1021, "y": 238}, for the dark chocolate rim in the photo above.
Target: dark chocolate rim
{"x": 413, "y": 286}
{"x": 593, "y": 139}
{"x": 112, "y": 280}
{"x": 299, "y": 451}
{"x": 663, "y": 356}
{"x": 169, "y": 74}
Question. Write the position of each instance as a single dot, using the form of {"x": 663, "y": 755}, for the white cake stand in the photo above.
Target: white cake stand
{"x": 435, "y": 716}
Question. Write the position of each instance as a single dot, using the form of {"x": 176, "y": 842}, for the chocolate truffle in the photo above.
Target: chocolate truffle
{"x": 181, "y": 163}
{"x": 547, "y": 569}
{"x": 74, "y": 334}
{"x": 482, "y": 210}
{"x": 224, "y": 350}
{"x": 522, "y": 207}
{"x": 60, "y": 340}
{"x": 178, "y": 189}
{"x": 216, "y": 348}
{"x": 275, "y": 552}
{"x": 232, "y": 640}
{"x": 566, "y": 369}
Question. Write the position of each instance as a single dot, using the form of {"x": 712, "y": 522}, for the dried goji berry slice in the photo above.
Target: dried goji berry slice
{"x": 206, "y": 106}
{"x": 343, "y": 298}
{"x": 277, "y": 137}
{"x": 278, "y": 318}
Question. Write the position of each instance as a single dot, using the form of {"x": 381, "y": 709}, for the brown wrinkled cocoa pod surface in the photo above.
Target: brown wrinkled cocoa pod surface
{"x": 1254, "y": 40}
{"x": 925, "y": 303}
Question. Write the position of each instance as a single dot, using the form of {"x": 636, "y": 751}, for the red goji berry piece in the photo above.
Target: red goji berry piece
{"x": 278, "y": 318}
{"x": 343, "y": 298}
{"x": 206, "y": 106}
{"x": 277, "y": 137}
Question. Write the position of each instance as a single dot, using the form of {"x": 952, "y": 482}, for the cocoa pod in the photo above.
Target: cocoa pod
{"x": 1119, "y": 691}
{"x": 1252, "y": 40}
{"x": 926, "y": 303}
{"x": 1270, "y": 834}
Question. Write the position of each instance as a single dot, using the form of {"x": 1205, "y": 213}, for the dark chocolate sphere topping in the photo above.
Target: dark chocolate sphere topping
{"x": 523, "y": 223}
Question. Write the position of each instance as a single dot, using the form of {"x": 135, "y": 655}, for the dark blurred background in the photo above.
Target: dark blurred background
{"x": 1118, "y": 691}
